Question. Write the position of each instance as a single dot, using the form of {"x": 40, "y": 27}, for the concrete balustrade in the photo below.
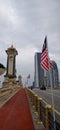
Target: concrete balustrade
{"x": 42, "y": 109}
{"x": 39, "y": 110}
{"x": 47, "y": 109}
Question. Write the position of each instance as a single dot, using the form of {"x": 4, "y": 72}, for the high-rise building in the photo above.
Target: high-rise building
{"x": 39, "y": 72}
{"x": 50, "y": 75}
{"x": 54, "y": 76}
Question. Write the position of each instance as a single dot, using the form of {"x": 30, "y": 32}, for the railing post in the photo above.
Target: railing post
{"x": 39, "y": 110}
{"x": 35, "y": 102}
{"x": 31, "y": 96}
{"x": 33, "y": 99}
{"x": 47, "y": 109}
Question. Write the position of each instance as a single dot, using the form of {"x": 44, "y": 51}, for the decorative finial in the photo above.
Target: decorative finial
{"x": 12, "y": 46}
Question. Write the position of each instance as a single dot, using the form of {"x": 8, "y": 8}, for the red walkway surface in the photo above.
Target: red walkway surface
{"x": 15, "y": 114}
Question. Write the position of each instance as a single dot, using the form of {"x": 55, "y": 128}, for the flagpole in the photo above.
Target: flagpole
{"x": 52, "y": 99}
{"x": 47, "y": 65}
{"x": 51, "y": 91}
{"x": 45, "y": 78}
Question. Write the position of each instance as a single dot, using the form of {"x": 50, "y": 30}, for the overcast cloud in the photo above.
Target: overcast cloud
{"x": 24, "y": 23}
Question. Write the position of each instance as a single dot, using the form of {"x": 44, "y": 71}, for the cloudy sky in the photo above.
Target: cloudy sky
{"x": 24, "y": 23}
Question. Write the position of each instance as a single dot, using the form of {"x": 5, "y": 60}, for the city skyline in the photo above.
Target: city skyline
{"x": 25, "y": 25}
{"x": 44, "y": 77}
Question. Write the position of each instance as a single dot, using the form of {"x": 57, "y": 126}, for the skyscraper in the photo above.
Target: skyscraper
{"x": 54, "y": 76}
{"x": 39, "y": 72}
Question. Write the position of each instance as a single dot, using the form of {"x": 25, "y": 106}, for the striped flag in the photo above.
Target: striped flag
{"x": 46, "y": 63}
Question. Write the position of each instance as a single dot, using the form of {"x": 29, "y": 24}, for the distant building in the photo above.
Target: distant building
{"x": 54, "y": 76}
{"x": 39, "y": 72}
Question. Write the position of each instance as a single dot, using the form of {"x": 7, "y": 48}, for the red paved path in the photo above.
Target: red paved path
{"x": 15, "y": 114}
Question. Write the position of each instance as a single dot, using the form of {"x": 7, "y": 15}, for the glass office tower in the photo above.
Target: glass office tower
{"x": 39, "y": 72}
{"x": 54, "y": 76}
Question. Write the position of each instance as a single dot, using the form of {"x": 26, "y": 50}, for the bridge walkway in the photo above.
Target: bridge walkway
{"x": 16, "y": 114}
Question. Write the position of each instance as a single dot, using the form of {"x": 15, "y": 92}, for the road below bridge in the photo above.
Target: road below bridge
{"x": 46, "y": 95}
